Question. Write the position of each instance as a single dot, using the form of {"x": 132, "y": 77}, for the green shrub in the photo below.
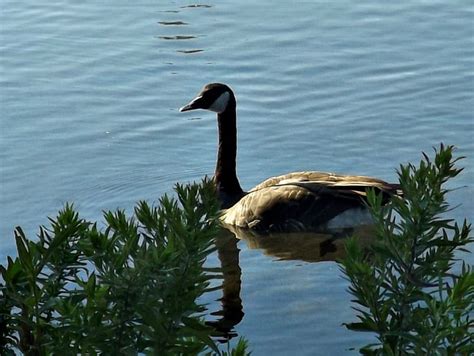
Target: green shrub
{"x": 405, "y": 284}
{"x": 130, "y": 288}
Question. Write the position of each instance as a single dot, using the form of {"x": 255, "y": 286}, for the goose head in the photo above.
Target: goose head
{"x": 214, "y": 97}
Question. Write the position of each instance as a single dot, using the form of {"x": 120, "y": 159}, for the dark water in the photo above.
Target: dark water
{"x": 88, "y": 110}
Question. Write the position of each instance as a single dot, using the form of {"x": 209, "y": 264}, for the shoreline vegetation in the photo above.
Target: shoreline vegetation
{"x": 134, "y": 286}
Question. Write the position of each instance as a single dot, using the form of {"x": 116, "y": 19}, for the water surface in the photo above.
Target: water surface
{"x": 88, "y": 107}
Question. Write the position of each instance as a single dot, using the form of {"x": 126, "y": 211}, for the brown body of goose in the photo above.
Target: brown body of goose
{"x": 296, "y": 201}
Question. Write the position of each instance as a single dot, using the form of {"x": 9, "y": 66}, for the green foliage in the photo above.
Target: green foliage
{"x": 130, "y": 288}
{"x": 239, "y": 350}
{"x": 405, "y": 286}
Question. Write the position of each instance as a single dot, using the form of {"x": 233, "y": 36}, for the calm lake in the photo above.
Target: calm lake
{"x": 89, "y": 98}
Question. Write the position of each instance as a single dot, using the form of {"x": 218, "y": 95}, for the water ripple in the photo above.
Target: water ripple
{"x": 172, "y": 23}
{"x": 89, "y": 113}
{"x": 178, "y": 37}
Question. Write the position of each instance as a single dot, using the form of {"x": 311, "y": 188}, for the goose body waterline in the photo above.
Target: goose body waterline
{"x": 294, "y": 201}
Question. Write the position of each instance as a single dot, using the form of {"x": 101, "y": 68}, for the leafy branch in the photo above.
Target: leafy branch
{"x": 132, "y": 288}
{"x": 405, "y": 286}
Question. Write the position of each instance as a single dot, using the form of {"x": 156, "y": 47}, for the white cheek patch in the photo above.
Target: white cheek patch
{"x": 220, "y": 104}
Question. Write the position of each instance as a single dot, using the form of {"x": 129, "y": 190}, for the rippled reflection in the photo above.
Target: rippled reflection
{"x": 326, "y": 245}
{"x": 190, "y": 51}
{"x": 303, "y": 246}
{"x": 178, "y": 37}
{"x": 180, "y": 23}
{"x": 231, "y": 312}
{"x": 196, "y": 5}
{"x": 172, "y": 23}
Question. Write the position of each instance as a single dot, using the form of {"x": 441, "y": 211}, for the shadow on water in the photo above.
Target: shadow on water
{"x": 301, "y": 246}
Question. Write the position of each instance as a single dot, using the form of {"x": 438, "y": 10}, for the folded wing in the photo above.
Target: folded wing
{"x": 302, "y": 200}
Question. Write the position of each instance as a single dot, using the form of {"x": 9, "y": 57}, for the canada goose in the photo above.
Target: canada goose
{"x": 295, "y": 201}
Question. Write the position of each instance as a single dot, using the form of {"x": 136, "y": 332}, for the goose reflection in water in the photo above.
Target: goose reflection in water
{"x": 327, "y": 245}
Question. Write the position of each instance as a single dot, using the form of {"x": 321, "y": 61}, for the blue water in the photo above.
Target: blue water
{"x": 88, "y": 109}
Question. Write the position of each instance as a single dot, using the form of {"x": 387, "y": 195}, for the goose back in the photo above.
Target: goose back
{"x": 302, "y": 200}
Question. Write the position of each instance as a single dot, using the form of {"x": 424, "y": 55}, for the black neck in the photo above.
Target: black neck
{"x": 228, "y": 186}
